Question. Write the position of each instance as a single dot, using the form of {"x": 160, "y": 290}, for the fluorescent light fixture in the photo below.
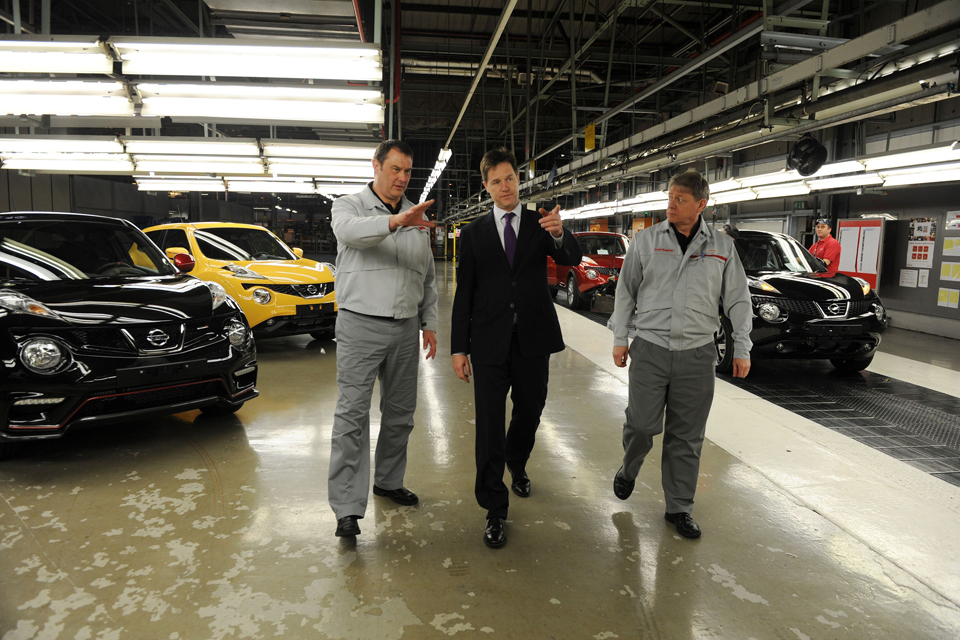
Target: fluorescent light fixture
{"x": 249, "y": 58}
{"x": 59, "y": 144}
{"x": 644, "y": 197}
{"x": 442, "y": 159}
{"x": 179, "y": 184}
{"x": 782, "y": 190}
{"x": 63, "y": 98}
{"x": 834, "y": 168}
{"x": 843, "y": 182}
{"x": 198, "y": 164}
{"x": 54, "y": 54}
{"x": 655, "y": 205}
{"x": 926, "y": 155}
{"x": 725, "y": 185}
{"x": 948, "y": 172}
{"x": 308, "y": 149}
{"x": 259, "y": 102}
{"x": 191, "y": 146}
{"x": 878, "y": 216}
{"x": 269, "y": 186}
{"x": 776, "y": 177}
{"x": 71, "y": 163}
{"x": 320, "y": 168}
{"x": 737, "y": 195}
{"x": 339, "y": 190}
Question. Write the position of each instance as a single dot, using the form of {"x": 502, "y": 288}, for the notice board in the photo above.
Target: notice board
{"x": 860, "y": 248}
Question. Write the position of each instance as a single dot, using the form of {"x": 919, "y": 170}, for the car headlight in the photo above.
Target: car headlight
{"x": 760, "y": 284}
{"x": 333, "y": 269}
{"x": 770, "y": 312}
{"x": 262, "y": 296}
{"x": 243, "y": 272}
{"x": 18, "y": 303}
{"x": 43, "y": 355}
{"x": 237, "y": 333}
{"x": 880, "y": 312}
{"x": 863, "y": 285}
{"x": 218, "y": 293}
{"x": 591, "y": 274}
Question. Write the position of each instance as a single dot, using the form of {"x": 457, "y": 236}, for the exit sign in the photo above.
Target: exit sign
{"x": 799, "y": 204}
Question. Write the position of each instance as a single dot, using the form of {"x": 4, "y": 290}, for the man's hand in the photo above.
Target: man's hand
{"x": 551, "y": 221}
{"x": 412, "y": 217}
{"x": 620, "y": 356}
{"x": 430, "y": 342}
{"x": 741, "y": 367}
{"x": 461, "y": 367}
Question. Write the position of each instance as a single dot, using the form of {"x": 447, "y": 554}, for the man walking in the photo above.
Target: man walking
{"x": 503, "y": 317}
{"x": 826, "y": 248}
{"x": 674, "y": 278}
{"x": 387, "y": 295}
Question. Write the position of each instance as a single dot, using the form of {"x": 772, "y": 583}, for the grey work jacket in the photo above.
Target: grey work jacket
{"x": 672, "y": 299}
{"x": 382, "y": 272}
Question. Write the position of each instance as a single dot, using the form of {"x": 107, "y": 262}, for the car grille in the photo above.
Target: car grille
{"x": 804, "y": 307}
{"x": 112, "y": 340}
{"x": 118, "y": 402}
{"x": 844, "y": 308}
{"x": 321, "y": 289}
{"x": 606, "y": 271}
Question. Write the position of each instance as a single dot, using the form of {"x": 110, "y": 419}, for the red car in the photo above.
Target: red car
{"x": 596, "y": 274}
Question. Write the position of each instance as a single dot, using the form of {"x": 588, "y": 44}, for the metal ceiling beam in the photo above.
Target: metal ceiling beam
{"x": 621, "y": 7}
{"x": 494, "y": 39}
{"x": 181, "y": 16}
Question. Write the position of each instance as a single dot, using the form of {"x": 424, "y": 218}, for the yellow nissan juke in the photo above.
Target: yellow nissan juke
{"x": 281, "y": 292}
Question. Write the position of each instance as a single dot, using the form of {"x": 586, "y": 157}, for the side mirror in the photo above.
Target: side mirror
{"x": 182, "y": 259}
{"x": 298, "y": 252}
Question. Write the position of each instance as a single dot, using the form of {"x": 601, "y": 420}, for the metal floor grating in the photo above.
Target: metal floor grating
{"x": 914, "y": 424}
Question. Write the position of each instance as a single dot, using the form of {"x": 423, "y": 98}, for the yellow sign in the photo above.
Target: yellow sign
{"x": 590, "y": 139}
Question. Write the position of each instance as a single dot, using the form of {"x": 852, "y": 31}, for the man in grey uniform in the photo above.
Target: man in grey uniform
{"x": 387, "y": 295}
{"x": 674, "y": 278}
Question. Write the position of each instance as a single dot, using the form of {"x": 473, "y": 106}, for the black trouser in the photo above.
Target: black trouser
{"x": 526, "y": 379}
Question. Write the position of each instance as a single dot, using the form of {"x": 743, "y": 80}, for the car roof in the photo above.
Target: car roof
{"x": 756, "y": 233}
{"x": 598, "y": 233}
{"x": 61, "y": 215}
{"x": 205, "y": 225}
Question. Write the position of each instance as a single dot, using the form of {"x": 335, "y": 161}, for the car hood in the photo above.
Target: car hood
{"x": 289, "y": 271}
{"x": 613, "y": 262}
{"x": 810, "y": 286}
{"x": 126, "y": 301}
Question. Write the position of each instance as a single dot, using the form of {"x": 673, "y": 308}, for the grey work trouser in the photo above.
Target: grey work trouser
{"x": 369, "y": 348}
{"x": 670, "y": 392}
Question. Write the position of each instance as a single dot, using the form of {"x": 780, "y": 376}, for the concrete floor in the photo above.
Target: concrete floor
{"x": 191, "y": 527}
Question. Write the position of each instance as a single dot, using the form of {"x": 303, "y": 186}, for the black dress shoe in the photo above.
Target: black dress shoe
{"x": 521, "y": 483}
{"x": 686, "y": 526}
{"x": 494, "y": 535}
{"x": 400, "y": 496}
{"x": 622, "y": 487}
{"x": 347, "y": 526}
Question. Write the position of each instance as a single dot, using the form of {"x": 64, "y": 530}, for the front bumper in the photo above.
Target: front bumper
{"x": 134, "y": 393}
{"x": 849, "y": 339}
{"x": 307, "y": 319}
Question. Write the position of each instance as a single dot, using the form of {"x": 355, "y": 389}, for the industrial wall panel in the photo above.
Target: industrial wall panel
{"x": 42, "y": 198}
{"x": 60, "y": 190}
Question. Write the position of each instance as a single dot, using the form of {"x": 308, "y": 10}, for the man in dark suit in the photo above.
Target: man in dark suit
{"x": 503, "y": 317}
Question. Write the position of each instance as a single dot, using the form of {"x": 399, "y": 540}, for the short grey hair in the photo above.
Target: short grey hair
{"x": 693, "y": 182}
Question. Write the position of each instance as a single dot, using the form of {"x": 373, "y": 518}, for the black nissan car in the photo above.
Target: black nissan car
{"x": 798, "y": 312}
{"x": 96, "y": 326}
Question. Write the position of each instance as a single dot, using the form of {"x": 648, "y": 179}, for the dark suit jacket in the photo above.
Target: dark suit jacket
{"x": 489, "y": 292}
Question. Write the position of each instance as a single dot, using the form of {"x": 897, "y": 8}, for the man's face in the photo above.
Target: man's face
{"x": 683, "y": 209}
{"x": 823, "y": 230}
{"x": 503, "y": 186}
{"x": 390, "y": 178}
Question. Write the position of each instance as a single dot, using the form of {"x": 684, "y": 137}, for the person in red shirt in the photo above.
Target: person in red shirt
{"x": 826, "y": 248}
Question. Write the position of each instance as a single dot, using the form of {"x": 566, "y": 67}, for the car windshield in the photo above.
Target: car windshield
{"x": 776, "y": 253}
{"x": 59, "y": 249}
{"x": 239, "y": 243}
{"x": 602, "y": 245}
